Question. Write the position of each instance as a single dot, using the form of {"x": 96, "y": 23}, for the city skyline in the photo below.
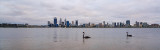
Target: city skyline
{"x": 102, "y": 21}
{"x": 79, "y": 21}
{"x": 103, "y": 24}
{"x": 37, "y": 12}
{"x": 75, "y": 24}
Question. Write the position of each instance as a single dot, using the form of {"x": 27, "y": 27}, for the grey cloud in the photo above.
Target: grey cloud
{"x": 67, "y": 7}
{"x": 40, "y": 11}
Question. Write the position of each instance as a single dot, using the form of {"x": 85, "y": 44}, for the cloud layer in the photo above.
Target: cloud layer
{"x": 95, "y": 11}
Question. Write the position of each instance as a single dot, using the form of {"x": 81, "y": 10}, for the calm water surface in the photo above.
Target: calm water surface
{"x": 71, "y": 39}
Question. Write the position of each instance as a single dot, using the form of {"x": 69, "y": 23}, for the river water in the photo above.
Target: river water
{"x": 71, "y": 39}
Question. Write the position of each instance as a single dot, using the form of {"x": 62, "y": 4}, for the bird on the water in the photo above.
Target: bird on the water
{"x": 85, "y": 36}
{"x": 128, "y": 35}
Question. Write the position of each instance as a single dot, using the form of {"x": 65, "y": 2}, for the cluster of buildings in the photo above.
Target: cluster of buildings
{"x": 145, "y": 25}
{"x": 127, "y": 24}
{"x": 107, "y": 25}
{"x": 121, "y": 25}
{"x": 64, "y": 23}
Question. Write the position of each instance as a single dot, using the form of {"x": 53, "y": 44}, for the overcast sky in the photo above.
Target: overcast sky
{"x": 38, "y": 12}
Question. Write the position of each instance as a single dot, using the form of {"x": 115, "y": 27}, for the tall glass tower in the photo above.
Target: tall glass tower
{"x": 55, "y": 21}
{"x": 128, "y": 22}
{"x": 67, "y": 23}
{"x": 60, "y": 21}
{"x": 76, "y": 22}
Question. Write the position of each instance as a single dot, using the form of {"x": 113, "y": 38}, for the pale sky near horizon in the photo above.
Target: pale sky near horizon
{"x": 38, "y": 12}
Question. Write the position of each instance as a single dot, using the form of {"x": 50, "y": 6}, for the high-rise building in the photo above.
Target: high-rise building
{"x": 60, "y": 21}
{"x": 114, "y": 24}
{"x": 76, "y": 22}
{"x": 118, "y": 24}
{"x": 89, "y": 24}
{"x": 107, "y": 24}
{"x": 49, "y": 23}
{"x": 72, "y": 23}
{"x": 121, "y": 24}
{"x": 83, "y": 25}
{"x": 55, "y": 22}
{"x": 127, "y": 23}
{"x": 137, "y": 24}
{"x": 67, "y": 23}
{"x": 62, "y": 24}
{"x": 104, "y": 24}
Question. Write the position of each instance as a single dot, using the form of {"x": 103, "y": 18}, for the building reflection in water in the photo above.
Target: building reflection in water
{"x": 55, "y": 35}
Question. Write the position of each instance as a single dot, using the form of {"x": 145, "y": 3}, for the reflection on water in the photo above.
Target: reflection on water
{"x": 127, "y": 39}
{"x": 55, "y": 35}
{"x": 71, "y": 39}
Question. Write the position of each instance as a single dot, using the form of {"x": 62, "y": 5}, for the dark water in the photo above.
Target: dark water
{"x": 71, "y": 39}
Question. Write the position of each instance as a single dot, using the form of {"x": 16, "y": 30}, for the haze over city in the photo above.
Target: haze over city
{"x": 38, "y": 12}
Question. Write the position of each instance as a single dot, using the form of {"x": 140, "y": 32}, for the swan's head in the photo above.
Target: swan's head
{"x": 83, "y": 32}
{"x": 126, "y": 32}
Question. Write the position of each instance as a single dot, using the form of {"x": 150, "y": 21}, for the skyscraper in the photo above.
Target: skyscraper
{"x": 137, "y": 24}
{"x": 60, "y": 21}
{"x": 76, "y": 22}
{"x": 114, "y": 24}
{"x": 67, "y": 23}
{"x": 55, "y": 22}
{"x": 121, "y": 24}
{"x": 127, "y": 23}
{"x": 72, "y": 23}
{"x": 104, "y": 24}
{"x": 49, "y": 23}
{"x": 118, "y": 24}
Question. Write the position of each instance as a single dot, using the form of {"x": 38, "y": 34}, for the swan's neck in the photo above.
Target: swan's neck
{"x": 83, "y": 35}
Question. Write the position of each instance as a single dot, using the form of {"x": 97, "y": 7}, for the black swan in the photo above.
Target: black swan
{"x": 85, "y": 36}
{"x": 128, "y": 35}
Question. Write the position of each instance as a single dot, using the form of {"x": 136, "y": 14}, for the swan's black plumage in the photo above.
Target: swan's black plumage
{"x": 85, "y": 36}
{"x": 128, "y": 35}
